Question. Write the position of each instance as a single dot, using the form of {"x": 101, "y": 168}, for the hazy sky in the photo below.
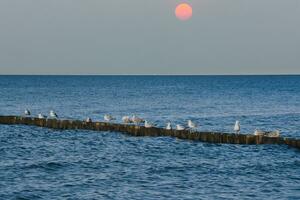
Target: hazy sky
{"x": 145, "y": 37}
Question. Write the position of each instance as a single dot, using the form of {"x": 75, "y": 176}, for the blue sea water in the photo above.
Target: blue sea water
{"x": 38, "y": 163}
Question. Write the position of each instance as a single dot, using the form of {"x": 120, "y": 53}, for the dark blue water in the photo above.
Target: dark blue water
{"x": 38, "y": 163}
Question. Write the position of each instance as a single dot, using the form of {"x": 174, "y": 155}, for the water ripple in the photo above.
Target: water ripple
{"x": 38, "y": 163}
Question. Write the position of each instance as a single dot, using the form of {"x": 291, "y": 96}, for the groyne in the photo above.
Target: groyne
{"x": 139, "y": 131}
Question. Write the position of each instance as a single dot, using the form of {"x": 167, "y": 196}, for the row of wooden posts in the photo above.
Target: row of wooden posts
{"x": 135, "y": 130}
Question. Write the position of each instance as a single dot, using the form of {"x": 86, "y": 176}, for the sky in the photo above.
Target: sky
{"x": 145, "y": 37}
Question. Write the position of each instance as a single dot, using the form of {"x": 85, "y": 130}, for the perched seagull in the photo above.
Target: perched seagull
{"x": 53, "y": 114}
{"x": 126, "y": 119}
{"x": 275, "y": 133}
{"x": 169, "y": 126}
{"x": 259, "y": 132}
{"x": 88, "y": 120}
{"x": 148, "y": 125}
{"x": 40, "y": 116}
{"x": 237, "y": 127}
{"x": 179, "y": 127}
{"x": 191, "y": 124}
{"x": 136, "y": 119}
{"x": 108, "y": 117}
{"x": 27, "y": 112}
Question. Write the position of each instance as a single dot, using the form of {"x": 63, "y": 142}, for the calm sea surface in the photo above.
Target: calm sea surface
{"x": 38, "y": 163}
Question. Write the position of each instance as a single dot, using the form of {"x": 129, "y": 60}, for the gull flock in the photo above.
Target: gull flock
{"x": 137, "y": 120}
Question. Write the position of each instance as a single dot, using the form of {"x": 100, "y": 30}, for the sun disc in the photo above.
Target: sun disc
{"x": 184, "y": 11}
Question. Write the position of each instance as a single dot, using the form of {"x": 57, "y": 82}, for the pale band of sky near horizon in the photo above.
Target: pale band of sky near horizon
{"x": 145, "y": 37}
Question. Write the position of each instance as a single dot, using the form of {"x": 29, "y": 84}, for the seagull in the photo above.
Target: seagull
{"x": 88, "y": 120}
{"x": 191, "y": 124}
{"x": 27, "y": 112}
{"x": 275, "y": 133}
{"x": 108, "y": 117}
{"x": 169, "y": 126}
{"x": 237, "y": 127}
{"x": 148, "y": 125}
{"x": 179, "y": 127}
{"x": 53, "y": 114}
{"x": 40, "y": 116}
{"x": 136, "y": 119}
{"x": 126, "y": 119}
{"x": 259, "y": 132}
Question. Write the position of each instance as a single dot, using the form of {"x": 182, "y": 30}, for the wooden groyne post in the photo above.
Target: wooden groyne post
{"x": 138, "y": 131}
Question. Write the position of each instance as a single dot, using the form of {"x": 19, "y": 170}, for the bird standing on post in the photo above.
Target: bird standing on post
{"x": 27, "y": 112}
{"x": 169, "y": 126}
{"x": 126, "y": 119}
{"x": 237, "y": 127}
{"x": 275, "y": 133}
{"x": 40, "y": 116}
{"x": 179, "y": 127}
{"x": 258, "y": 132}
{"x": 109, "y": 118}
{"x": 192, "y": 126}
{"x": 136, "y": 119}
{"x": 88, "y": 120}
{"x": 148, "y": 125}
{"x": 53, "y": 114}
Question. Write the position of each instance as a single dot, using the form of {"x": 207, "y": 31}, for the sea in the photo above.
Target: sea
{"x": 41, "y": 163}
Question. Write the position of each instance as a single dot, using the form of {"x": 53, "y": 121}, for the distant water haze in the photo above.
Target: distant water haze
{"x": 145, "y": 37}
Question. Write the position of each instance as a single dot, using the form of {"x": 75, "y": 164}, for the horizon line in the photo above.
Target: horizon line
{"x": 252, "y": 74}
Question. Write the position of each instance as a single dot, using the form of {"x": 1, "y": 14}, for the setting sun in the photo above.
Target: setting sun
{"x": 184, "y": 11}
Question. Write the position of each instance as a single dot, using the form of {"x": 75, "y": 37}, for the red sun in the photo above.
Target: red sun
{"x": 184, "y": 11}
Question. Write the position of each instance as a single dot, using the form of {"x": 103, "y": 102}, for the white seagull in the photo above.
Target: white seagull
{"x": 53, "y": 114}
{"x": 191, "y": 124}
{"x": 169, "y": 126}
{"x": 148, "y": 125}
{"x": 88, "y": 120}
{"x": 27, "y": 112}
{"x": 179, "y": 127}
{"x": 237, "y": 127}
{"x": 136, "y": 119}
{"x": 259, "y": 132}
{"x": 109, "y": 118}
{"x": 40, "y": 116}
{"x": 126, "y": 119}
{"x": 275, "y": 133}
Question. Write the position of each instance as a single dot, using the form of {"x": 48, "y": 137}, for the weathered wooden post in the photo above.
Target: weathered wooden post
{"x": 135, "y": 130}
